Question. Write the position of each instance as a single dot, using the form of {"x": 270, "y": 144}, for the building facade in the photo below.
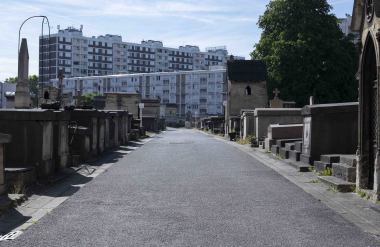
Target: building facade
{"x": 6, "y": 88}
{"x": 201, "y": 92}
{"x": 83, "y": 56}
{"x": 345, "y": 26}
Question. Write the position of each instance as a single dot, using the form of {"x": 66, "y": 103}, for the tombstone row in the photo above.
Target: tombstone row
{"x": 47, "y": 141}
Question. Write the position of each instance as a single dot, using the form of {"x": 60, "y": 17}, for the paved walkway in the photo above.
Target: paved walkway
{"x": 184, "y": 188}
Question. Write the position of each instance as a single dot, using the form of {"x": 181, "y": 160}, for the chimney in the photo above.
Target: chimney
{"x": 59, "y": 27}
{"x": 81, "y": 28}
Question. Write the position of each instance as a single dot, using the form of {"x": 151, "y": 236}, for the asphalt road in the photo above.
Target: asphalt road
{"x": 184, "y": 188}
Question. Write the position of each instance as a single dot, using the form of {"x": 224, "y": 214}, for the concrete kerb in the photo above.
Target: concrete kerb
{"x": 349, "y": 205}
{"x": 32, "y": 209}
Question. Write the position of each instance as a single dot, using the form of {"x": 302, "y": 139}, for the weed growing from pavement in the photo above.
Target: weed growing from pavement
{"x": 267, "y": 151}
{"x": 332, "y": 188}
{"x": 327, "y": 172}
{"x": 315, "y": 181}
{"x": 33, "y": 223}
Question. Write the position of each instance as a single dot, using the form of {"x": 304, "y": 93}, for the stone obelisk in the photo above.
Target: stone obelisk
{"x": 22, "y": 95}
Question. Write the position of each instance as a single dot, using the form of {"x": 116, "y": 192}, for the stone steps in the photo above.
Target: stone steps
{"x": 306, "y": 159}
{"x": 321, "y": 166}
{"x": 275, "y": 149}
{"x": 344, "y": 172}
{"x": 289, "y": 146}
{"x": 349, "y": 160}
{"x": 330, "y": 158}
{"x": 338, "y": 184}
{"x": 298, "y": 146}
{"x": 301, "y": 167}
{"x": 284, "y": 153}
{"x": 294, "y": 155}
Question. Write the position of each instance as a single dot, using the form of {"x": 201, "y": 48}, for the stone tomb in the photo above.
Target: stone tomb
{"x": 3, "y": 140}
{"x": 89, "y": 120}
{"x": 267, "y": 116}
{"x": 248, "y": 124}
{"x": 123, "y": 101}
{"x": 150, "y": 113}
{"x": 32, "y": 138}
{"x": 282, "y": 131}
{"x": 329, "y": 129}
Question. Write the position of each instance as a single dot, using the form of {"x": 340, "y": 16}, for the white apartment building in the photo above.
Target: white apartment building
{"x": 6, "y": 88}
{"x": 201, "y": 92}
{"x": 345, "y": 26}
{"x": 81, "y": 56}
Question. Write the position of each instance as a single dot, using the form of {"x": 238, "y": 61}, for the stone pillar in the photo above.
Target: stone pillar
{"x": 3, "y": 139}
{"x": 22, "y": 94}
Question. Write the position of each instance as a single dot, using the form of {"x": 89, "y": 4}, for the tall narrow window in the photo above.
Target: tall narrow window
{"x": 248, "y": 90}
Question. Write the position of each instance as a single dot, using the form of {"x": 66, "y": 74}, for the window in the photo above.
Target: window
{"x": 211, "y": 86}
{"x": 172, "y": 88}
{"x": 60, "y": 46}
{"x": 195, "y": 86}
{"x": 165, "y": 92}
{"x": 152, "y": 88}
{"x": 188, "y": 76}
{"x": 211, "y": 75}
{"x": 188, "y": 87}
{"x": 195, "y": 107}
{"x": 219, "y": 107}
{"x": 211, "y": 96}
{"x": 219, "y": 76}
{"x": 172, "y": 97}
{"x": 188, "y": 97}
{"x": 165, "y": 101}
{"x": 196, "y": 76}
{"x": 188, "y": 107}
{"x": 158, "y": 78}
{"x": 219, "y": 86}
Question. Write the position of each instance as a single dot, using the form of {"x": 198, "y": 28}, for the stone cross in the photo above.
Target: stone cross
{"x": 276, "y": 92}
{"x": 22, "y": 94}
{"x": 79, "y": 98}
{"x": 60, "y": 77}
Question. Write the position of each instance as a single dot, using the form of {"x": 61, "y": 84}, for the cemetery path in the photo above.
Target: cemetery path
{"x": 185, "y": 188}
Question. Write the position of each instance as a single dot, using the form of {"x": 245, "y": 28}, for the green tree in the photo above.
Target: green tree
{"x": 11, "y": 80}
{"x": 33, "y": 81}
{"x": 89, "y": 98}
{"x": 306, "y": 52}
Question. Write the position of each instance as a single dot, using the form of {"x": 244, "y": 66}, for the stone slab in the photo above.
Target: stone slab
{"x": 344, "y": 172}
{"x": 349, "y": 160}
{"x": 285, "y": 131}
{"x": 306, "y": 159}
{"x": 338, "y": 184}
{"x": 301, "y": 167}
{"x": 20, "y": 176}
{"x": 275, "y": 149}
{"x": 298, "y": 146}
{"x": 321, "y": 166}
{"x": 289, "y": 146}
{"x": 284, "y": 153}
{"x": 282, "y": 142}
{"x": 294, "y": 155}
{"x": 330, "y": 158}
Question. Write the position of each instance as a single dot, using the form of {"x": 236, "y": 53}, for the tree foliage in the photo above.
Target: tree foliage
{"x": 33, "y": 81}
{"x": 306, "y": 52}
{"x": 89, "y": 98}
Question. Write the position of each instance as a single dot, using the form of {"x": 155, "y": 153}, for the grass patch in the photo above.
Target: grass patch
{"x": 267, "y": 151}
{"x": 332, "y": 188}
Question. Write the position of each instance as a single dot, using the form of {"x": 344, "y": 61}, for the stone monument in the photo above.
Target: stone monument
{"x": 59, "y": 95}
{"x": 22, "y": 95}
{"x": 276, "y": 102}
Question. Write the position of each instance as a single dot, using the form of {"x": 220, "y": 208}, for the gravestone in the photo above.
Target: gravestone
{"x": 282, "y": 131}
{"x": 187, "y": 125}
{"x": 276, "y": 102}
{"x": 79, "y": 98}
{"x": 3, "y": 139}
{"x": 22, "y": 94}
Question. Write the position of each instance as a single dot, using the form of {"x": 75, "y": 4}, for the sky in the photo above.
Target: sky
{"x": 205, "y": 23}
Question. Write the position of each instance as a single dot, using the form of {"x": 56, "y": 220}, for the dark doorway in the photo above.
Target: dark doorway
{"x": 370, "y": 103}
